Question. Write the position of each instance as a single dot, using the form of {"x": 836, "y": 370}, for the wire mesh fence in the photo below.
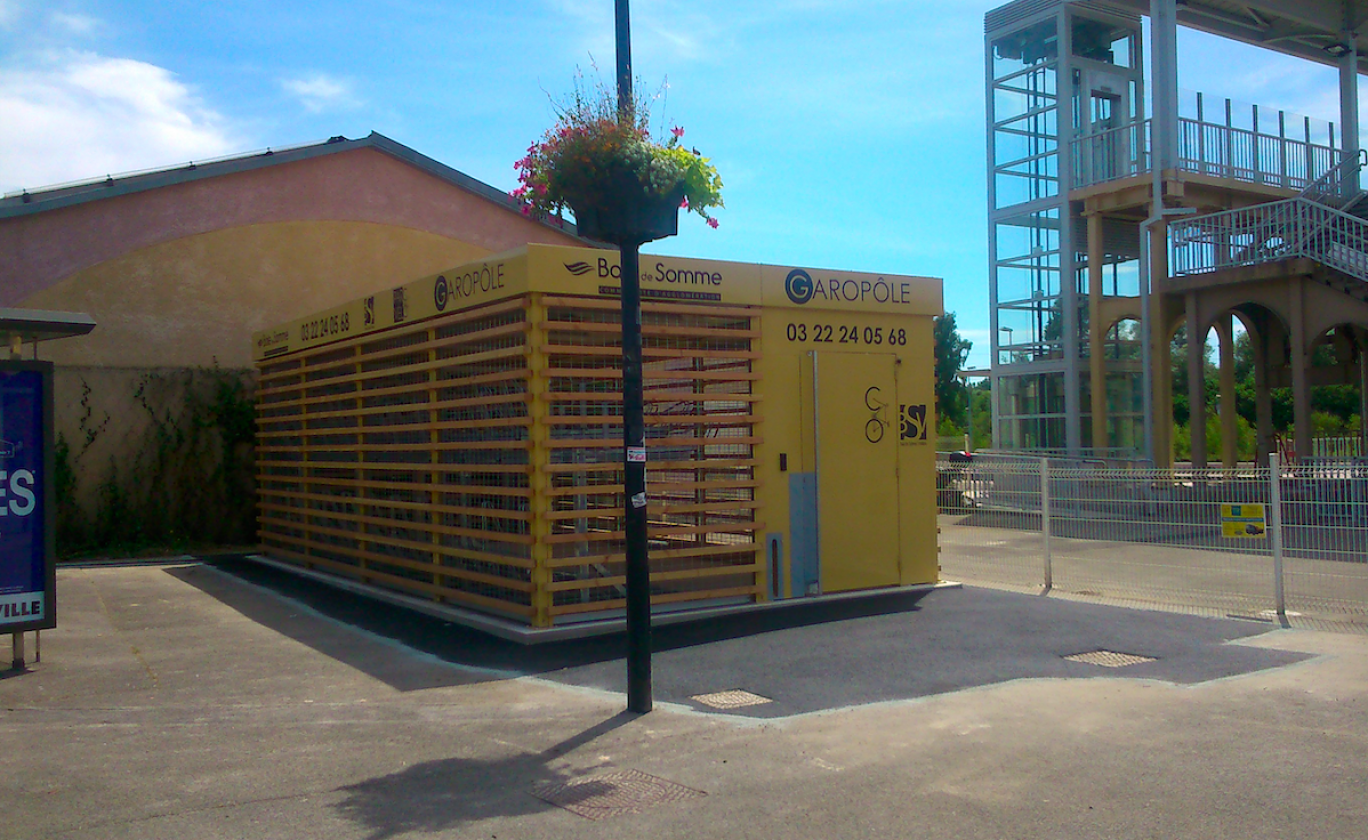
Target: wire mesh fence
{"x": 1233, "y": 541}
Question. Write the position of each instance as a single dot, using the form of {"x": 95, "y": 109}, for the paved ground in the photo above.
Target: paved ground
{"x": 1319, "y": 593}
{"x": 188, "y": 702}
{"x": 829, "y": 656}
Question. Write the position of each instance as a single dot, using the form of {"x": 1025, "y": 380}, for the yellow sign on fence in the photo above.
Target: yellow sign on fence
{"x": 1244, "y": 522}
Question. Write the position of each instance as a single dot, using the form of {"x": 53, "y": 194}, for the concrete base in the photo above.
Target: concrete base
{"x": 602, "y": 625}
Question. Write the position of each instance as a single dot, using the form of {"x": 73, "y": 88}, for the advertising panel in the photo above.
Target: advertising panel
{"x": 28, "y": 592}
{"x": 1243, "y": 522}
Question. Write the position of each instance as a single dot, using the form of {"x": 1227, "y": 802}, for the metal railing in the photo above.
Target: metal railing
{"x": 1264, "y": 233}
{"x": 1339, "y": 186}
{"x": 1207, "y": 148}
{"x": 1342, "y": 447}
{"x": 1271, "y": 542}
{"x": 1122, "y": 152}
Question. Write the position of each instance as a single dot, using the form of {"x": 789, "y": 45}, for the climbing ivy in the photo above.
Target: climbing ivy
{"x": 184, "y": 481}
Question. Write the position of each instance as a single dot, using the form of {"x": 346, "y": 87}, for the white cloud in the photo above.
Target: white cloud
{"x": 79, "y": 115}
{"x": 9, "y": 13}
{"x": 320, "y": 92}
{"x": 73, "y": 23}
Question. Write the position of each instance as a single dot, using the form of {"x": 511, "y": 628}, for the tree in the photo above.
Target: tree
{"x": 951, "y": 353}
{"x": 982, "y": 395}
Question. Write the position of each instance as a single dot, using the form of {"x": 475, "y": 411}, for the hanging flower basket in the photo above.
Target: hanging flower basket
{"x": 622, "y": 186}
{"x": 626, "y": 213}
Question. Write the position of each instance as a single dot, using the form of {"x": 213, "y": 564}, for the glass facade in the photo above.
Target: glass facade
{"x": 1052, "y": 79}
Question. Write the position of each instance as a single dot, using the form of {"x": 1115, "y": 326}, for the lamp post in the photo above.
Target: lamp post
{"x": 633, "y": 425}
{"x": 1009, "y": 332}
{"x": 964, "y": 376}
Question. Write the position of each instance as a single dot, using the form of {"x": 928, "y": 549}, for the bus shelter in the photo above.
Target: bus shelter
{"x": 458, "y": 438}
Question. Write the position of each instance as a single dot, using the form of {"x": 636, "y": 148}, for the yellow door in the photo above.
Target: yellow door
{"x": 856, "y": 407}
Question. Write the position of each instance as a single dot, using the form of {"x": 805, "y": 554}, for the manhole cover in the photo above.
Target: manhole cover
{"x": 734, "y": 699}
{"x": 1109, "y": 658}
{"x": 613, "y": 794}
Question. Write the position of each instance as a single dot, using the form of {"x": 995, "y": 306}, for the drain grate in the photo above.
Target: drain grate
{"x": 613, "y": 794}
{"x": 1109, "y": 658}
{"x": 734, "y": 699}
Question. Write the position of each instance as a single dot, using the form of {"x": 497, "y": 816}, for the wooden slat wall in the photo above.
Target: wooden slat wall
{"x": 701, "y": 413}
{"x": 477, "y": 457}
{"x": 402, "y": 460}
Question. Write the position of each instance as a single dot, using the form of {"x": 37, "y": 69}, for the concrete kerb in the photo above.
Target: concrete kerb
{"x": 614, "y": 622}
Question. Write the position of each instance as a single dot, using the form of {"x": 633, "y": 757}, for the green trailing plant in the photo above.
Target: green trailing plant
{"x": 185, "y": 480}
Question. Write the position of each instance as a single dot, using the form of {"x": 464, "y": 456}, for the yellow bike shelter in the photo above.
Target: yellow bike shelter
{"x": 458, "y": 439}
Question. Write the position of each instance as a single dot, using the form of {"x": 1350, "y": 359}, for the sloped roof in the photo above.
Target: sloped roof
{"x": 27, "y": 202}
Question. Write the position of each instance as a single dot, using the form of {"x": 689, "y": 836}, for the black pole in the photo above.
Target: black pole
{"x": 634, "y": 441}
{"x": 633, "y": 429}
{"x": 624, "y": 61}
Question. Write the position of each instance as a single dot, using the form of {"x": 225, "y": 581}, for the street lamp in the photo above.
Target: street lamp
{"x": 964, "y": 376}
{"x": 1009, "y": 331}
{"x": 638, "y": 571}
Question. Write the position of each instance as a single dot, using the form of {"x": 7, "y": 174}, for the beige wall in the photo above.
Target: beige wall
{"x": 182, "y": 274}
{"x": 196, "y": 301}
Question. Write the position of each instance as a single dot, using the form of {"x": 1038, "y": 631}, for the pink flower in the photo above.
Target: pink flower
{"x": 677, "y": 131}
{"x": 527, "y": 210}
{"x": 712, "y": 223}
{"x": 540, "y": 188}
{"x": 684, "y": 205}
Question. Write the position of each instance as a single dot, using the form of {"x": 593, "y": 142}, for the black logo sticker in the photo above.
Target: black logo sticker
{"x": 440, "y": 292}
{"x": 798, "y": 286}
{"x": 579, "y": 268}
{"x": 398, "y": 304}
{"x": 912, "y": 423}
{"x": 368, "y": 307}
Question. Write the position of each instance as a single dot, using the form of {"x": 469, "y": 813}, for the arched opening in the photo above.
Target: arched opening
{"x": 1125, "y": 398}
{"x": 1336, "y": 378}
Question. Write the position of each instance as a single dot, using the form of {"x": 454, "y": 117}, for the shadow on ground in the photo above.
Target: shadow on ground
{"x": 806, "y": 658}
{"x": 442, "y": 795}
{"x": 473, "y": 649}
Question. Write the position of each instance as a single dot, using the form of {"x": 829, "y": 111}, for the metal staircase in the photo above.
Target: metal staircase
{"x": 1327, "y": 222}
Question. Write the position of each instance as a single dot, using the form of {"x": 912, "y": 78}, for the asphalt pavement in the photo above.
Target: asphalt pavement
{"x": 204, "y": 701}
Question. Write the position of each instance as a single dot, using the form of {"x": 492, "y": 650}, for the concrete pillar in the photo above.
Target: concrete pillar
{"x": 1097, "y": 368}
{"x": 1263, "y": 399}
{"x": 1349, "y": 106}
{"x": 1361, "y": 340}
{"x": 1297, "y": 359}
{"x": 1229, "y": 428}
{"x": 1162, "y": 385}
{"x": 1164, "y": 82}
{"x": 1196, "y": 383}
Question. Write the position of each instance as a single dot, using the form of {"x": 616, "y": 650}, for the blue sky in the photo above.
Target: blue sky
{"x": 848, "y": 135}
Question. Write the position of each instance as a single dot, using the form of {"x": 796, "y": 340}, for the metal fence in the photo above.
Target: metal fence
{"x": 1283, "y": 541}
{"x": 1222, "y": 151}
{"x": 1269, "y": 232}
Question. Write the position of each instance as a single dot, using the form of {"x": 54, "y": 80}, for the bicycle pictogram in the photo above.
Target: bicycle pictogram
{"x": 878, "y": 421}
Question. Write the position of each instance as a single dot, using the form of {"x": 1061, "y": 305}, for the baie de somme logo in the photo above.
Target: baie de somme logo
{"x": 579, "y": 269}
{"x": 912, "y": 423}
{"x": 799, "y": 286}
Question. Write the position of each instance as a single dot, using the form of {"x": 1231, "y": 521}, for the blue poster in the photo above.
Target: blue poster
{"x": 26, "y": 574}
